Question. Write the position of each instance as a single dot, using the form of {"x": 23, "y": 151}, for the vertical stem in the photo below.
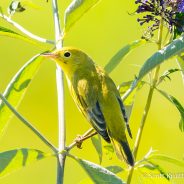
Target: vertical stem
{"x": 148, "y": 104}
{"x": 60, "y": 91}
{"x": 61, "y": 126}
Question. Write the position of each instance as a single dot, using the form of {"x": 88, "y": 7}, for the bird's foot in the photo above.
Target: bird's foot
{"x": 79, "y": 140}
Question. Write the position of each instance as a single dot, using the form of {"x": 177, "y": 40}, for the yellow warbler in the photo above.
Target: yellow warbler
{"x": 97, "y": 97}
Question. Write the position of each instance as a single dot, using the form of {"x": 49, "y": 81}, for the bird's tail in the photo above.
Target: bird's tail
{"x": 123, "y": 151}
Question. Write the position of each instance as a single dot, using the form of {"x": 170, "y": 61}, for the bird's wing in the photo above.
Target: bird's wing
{"x": 123, "y": 110}
{"x": 86, "y": 93}
{"x": 95, "y": 116}
{"x": 113, "y": 89}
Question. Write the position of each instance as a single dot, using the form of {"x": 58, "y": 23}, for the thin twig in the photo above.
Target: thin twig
{"x": 88, "y": 132}
{"x": 28, "y": 124}
{"x": 84, "y": 137}
{"x": 127, "y": 93}
{"x": 25, "y": 31}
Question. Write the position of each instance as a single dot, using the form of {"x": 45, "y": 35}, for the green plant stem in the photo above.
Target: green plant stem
{"x": 25, "y": 31}
{"x": 148, "y": 104}
{"x": 26, "y": 122}
{"x": 60, "y": 91}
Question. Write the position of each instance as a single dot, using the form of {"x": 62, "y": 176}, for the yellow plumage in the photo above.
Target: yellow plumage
{"x": 97, "y": 97}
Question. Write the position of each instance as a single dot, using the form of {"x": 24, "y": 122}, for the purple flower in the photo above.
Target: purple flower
{"x": 168, "y": 10}
{"x": 181, "y": 6}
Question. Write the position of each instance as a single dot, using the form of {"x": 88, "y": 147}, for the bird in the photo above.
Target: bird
{"x": 96, "y": 97}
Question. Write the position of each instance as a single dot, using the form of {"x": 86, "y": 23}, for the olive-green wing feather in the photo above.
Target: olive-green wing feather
{"x": 124, "y": 116}
{"x": 85, "y": 93}
{"x": 112, "y": 87}
{"x": 95, "y": 116}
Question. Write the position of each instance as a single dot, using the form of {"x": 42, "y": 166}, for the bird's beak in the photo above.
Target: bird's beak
{"x": 49, "y": 55}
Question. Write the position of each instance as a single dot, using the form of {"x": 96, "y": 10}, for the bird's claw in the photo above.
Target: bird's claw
{"x": 79, "y": 140}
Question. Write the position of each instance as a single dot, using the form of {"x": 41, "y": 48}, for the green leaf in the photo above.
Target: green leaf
{"x": 18, "y": 158}
{"x": 180, "y": 61}
{"x": 15, "y": 6}
{"x": 177, "y": 104}
{"x": 118, "y": 57}
{"x": 17, "y": 88}
{"x": 114, "y": 169}
{"x": 6, "y": 30}
{"x": 129, "y": 101}
{"x": 166, "y": 159}
{"x": 76, "y": 10}
{"x": 160, "y": 56}
{"x": 166, "y": 74}
{"x": 12, "y": 34}
{"x": 97, "y": 173}
{"x": 173, "y": 49}
{"x": 96, "y": 140}
{"x": 181, "y": 124}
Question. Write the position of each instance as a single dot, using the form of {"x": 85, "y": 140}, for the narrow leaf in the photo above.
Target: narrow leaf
{"x": 17, "y": 88}
{"x": 173, "y": 49}
{"x": 18, "y": 158}
{"x": 160, "y": 56}
{"x": 181, "y": 124}
{"x": 180, "y": 61}
{"x": 97, "y": 173}
{"x": 167, "y": 159}
{"x": 76, "y": 10}
{"x": 115, "y": 169}
{"x": 12, "y": 34}
{"x": 118, "y": 57}
{"x": 96, "y": 140}
{"x": 177, "y": 104}
{"x": 166, "y": 74}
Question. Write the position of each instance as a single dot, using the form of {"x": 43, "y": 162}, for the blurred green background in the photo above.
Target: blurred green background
{"x": 100, "y": 33}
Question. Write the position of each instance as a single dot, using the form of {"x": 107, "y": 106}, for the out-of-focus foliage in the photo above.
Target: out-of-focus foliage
{"x": 17, "y": 88}
{"x": 118, "y": 57}
{"x": 17, "y": 158}
{"x": 76, "y": 10}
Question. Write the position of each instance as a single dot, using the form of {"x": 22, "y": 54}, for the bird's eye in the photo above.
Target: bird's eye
{"x": 67, "y": 54}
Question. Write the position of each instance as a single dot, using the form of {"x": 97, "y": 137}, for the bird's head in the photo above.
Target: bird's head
{"x": 69, "y": 59}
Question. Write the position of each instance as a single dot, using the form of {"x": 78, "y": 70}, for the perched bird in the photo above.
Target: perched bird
{"x": 97, "y": 97}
